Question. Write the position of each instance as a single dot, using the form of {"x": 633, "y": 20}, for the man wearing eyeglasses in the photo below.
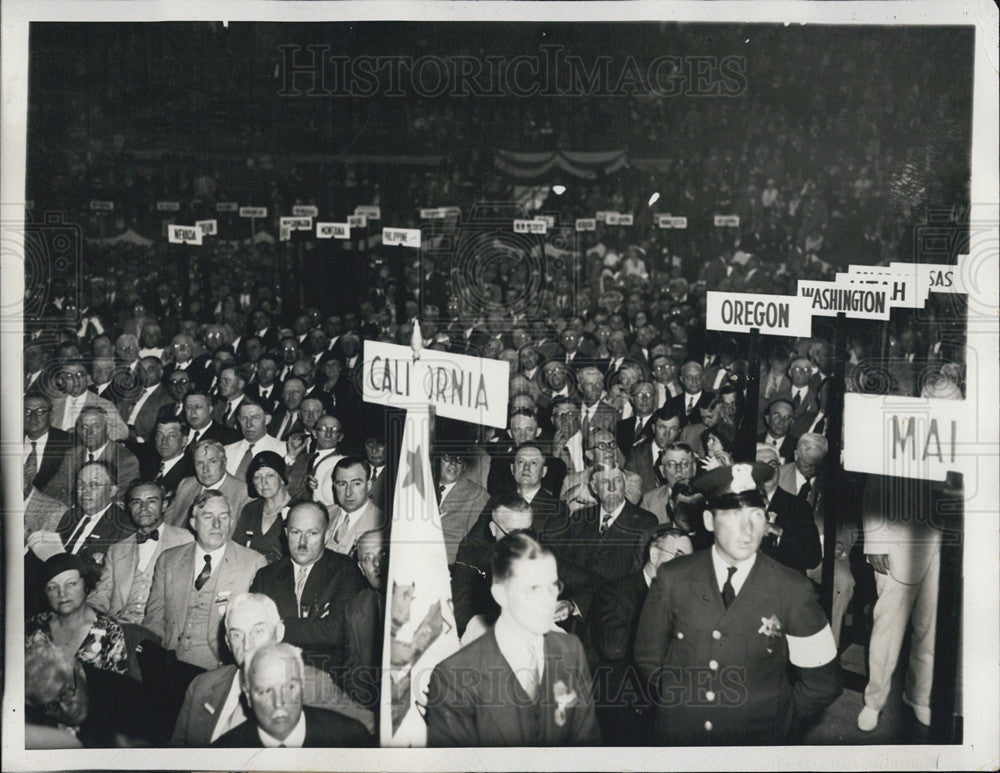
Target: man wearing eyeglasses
{"x": 72, "y": 381}
{"x": 311, "y": 587}
{"x": 600, "y": 448}
{"x": 677, "y": 465}
{"x": 802, "y": 393}
{"x": 45, "y": 446}
{"x": 791, "y": 537}
{"x": 212, "y": 703}
{"x": 622, "y": 705}
{"x": 460, "y": 501}
{"x": 364, "y": 623}
{"x": 778, "y": 417}
{"x": 605, "y": 541}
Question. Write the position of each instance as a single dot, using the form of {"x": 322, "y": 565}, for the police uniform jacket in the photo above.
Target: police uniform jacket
{"x": 721, "y": 676}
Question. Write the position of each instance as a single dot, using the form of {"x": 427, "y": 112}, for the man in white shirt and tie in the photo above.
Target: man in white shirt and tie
{"x": 73, "y": 380}
{"x": 354, "y": 512}
{"x": 778, "y": 419}
{"x": 252, "y": 422}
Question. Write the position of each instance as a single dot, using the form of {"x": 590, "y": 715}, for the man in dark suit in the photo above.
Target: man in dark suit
{"x": 198, "y": 412}
{"x": 286, "y": 420}
{"x": 263, "y": 389}
{"x": 164, "y": 461}
{"x": 594, "y": 410}
{"x": 86, "y": 530}
{"x": 693, "y": 397}
{"x": 364, "y": 623}
{"x": 520, "y": 683}
{"x": 638, "y": 427}
{"x": 178, "y": 385}
{"x": 731, "y": 611}
{"x": 604, "y": 541}
{"x": 91, "y": 443}
{"x": 622, "y": 703}
{"x": 791, "y": 537}
{"x": 778, "y": 417}
{"x": 803, "y": 394}
{"x": 45, "y": 446}
{"x": 644, "y": 458}
{"x": 311, "y": 587}
{"x": 272, "y": 682}
{"x": 501, "y": 480}
{"x": 231, "y": 383}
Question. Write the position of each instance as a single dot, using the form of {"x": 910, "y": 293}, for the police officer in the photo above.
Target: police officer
{"x": 720, "y": 628}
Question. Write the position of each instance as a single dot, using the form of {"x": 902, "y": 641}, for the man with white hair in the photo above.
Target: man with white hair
{"x": 273, "y": 683}
{"x": 801, "y": 479}
{"x": 212, "y": 704}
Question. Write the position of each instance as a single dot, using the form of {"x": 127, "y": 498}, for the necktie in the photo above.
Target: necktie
{"x": 300, "y": 583}
{"x": 567, "y": 458}
{"x": 440, "y": 492}
{"x": 225, "y": 413}
{"x": 195, "y": 437}
{"x": 77, "y": 533}
{"x": 728, "y": 592}
{"x": 797, "y": 399}
{"x": 585, "y": 424}
{"x": 690, "y": 403}
{"x": 340, "y": 525}
{"x": 804, "y": 491}
{"x": 90, "y": 456}
{"x": 311, "y": 464}
{"x": 161, "y": 472}
{"x": 31, "y": 464}
{"x": 605, "y": 522}
{"x": 140, "y": 538}
{"x": 241, "y": 470}
{"x": 206, "y": 572}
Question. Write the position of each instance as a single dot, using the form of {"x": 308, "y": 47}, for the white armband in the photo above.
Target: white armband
{"x": 812, "y": 651}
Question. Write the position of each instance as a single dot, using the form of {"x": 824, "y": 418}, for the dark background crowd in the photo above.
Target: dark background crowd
{"x": 840, "y": 146}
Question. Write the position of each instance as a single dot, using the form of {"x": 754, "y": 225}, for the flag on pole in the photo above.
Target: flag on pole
{"x": 420, "y": 627}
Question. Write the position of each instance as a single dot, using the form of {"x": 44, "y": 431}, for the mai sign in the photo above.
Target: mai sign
{"x": 472, "y": 389}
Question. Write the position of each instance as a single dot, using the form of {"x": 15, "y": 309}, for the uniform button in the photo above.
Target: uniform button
{"x": 714, "y": 665}
{"x": 708, "y": 725}
{"x": 680, "y": 634}
{"x": 710, "y": 696}
{"x": 716, "y": 634}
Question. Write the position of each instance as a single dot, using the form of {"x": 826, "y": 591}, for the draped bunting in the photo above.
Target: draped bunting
{"x": 583, "y": 165}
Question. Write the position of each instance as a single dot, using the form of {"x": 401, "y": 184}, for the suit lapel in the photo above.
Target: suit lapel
{"x": 505, "y": 714}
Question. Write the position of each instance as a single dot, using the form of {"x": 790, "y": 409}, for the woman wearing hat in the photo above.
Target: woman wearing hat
{"x": 80, "y": 632}
{"x": 261, "y": 525}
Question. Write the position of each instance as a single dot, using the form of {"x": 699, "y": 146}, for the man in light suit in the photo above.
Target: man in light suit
{"x": 91, "y": 443}
{"x": 460, "y": 501}
{"x": 354, "y": 513}
{"x": 311, "y": 587}
{"x": 125, "y": 580}
{"x": 595, "y": 411}
{"x": 903, "y": 546}
{"x": 213, "y": 703}
{"x": 193, "y": 584}
{"x": 521, "y": 683}
{"x": 273, "y": 681}
{"x": 72, "y": 380}
{"x": 209, "y": 473}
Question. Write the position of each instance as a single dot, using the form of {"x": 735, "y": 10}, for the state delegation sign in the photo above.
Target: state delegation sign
{"x": 472, "y": 389}
{"x": 780, "y": 315}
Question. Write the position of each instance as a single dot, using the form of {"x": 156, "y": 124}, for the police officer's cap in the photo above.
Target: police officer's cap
{"x": 727, "y": 488}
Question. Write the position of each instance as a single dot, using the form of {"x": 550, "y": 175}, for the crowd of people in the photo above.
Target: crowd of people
{"x": 208, "y": 500}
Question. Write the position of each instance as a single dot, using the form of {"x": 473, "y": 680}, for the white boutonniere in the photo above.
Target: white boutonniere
{"x": 98, "y": 558}
{"x": 564, "y": 699}
{"x": 222, "y": 597}
{"x": 770, "y": 626}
